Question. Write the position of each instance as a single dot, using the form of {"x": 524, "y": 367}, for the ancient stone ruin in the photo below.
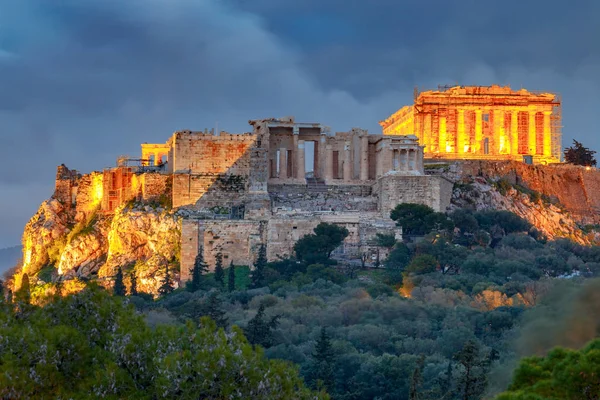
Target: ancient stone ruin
{"x": 234, "y": 192}
{"x": 482, "y": 122}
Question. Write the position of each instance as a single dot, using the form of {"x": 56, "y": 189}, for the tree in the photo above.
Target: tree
{"x": 214, "y": 310}
{"x": 219, "y": 271}
{"x": 166, "y": 285}
{"x": 96, "y": 346}
{"x": 231, "y": 278}
{"x": 561, "y": 374}
{"x": 323, "y": 360}
{"x": 260, "y": 330}
{"x": 197, "y": 271}
{"x": 119, "y": 287}
{"x": 133, "y": 287}
{"x": 1, "y": 291}
{"x": 386, "y": 240}
{"x": 419, "y": 219}
{"x": 472, "y": 381}
{"x": 580, "y": 155}
{"x": 257, "y": 276}
{"x": 317, "y": 248}
{"x": 416, "y": 379}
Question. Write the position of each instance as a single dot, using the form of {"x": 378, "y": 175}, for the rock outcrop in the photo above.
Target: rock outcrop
{"x": 140, "y": 239}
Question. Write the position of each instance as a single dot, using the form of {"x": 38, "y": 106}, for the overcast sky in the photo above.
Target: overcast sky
{"x": 83, "y": 81}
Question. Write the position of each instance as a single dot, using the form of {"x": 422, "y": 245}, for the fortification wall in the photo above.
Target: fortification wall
{"x": 434, "y": 191}
{"x": 89, "y": 194}
{"x": 577, "y": 188}
{"x": 197, "y": 153}
{"x": 64, "y": 185}
{"x": 238, "y": 241}
{"x": 323, "y": 198}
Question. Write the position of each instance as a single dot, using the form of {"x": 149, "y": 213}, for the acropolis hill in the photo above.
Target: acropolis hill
{"x": 230, "y": 193}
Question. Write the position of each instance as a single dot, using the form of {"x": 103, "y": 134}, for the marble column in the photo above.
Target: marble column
{"x": 460, "y": 134}
{"x": 427, "y": 132}
{"x": 282, "y": 163}
{"x": 499, "y": 138}
{"x": 294, "y": 157}
{"x": 514, "y": 133}
{"x": 328, "y": 163}
{"x": 478, "y": 131}
{"x": 300, "y": 167}
{"x": 347, "y": 163}
{"x": 532, "y": 134}
{"x": 442, "y": 138}
{"x": 364, "y": 158}
{"x": 547, "y": 134}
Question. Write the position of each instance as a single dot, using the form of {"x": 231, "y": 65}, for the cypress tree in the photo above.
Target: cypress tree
{"x": 199, "y": 268}
{"x": 219, "y": 271}
{"x": 24, "y": 292}
{"x": 119, "y": 286}
{"x": 416, "y": 380}
{"x": 323, "y": 360}
{"x": 1, "y": 291}
{"x": 231, "y": 278}
{"x": 166, "y": 286}
{"x": 257, "y": 277}
{"x": 133, "y": 288}
{"x": 214, "y": 311}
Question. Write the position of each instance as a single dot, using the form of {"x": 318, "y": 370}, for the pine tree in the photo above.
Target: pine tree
{"x": 473, "y": 381}
{"x": 219, "y": 271}
{"x": 259, "y": 330}
{"x": 416, "y": 380}
{"x": 580, "y": 155}
{"x": 323, "y": 361}
{"x": 119, "y": 287}
{"x": 231, "y": 278}
{"x": 166, "y": 285}
{"x": 214, "y": 310}
{"x": 257, "y": 276}
{"x": 197, "y": 271}
{"x": 133, "y": 287}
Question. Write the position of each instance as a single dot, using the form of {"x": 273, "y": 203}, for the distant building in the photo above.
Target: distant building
{"x": 482, "y": 122}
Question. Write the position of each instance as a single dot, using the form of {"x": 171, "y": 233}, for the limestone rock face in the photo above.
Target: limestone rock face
{"x": 142, "y": 241}
{"x": 42, "y": 233}
{"x": 551, "y": 220}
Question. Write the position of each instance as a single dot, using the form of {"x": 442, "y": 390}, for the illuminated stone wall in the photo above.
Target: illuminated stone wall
{"x": 433, "y": 191}
{"x": 476, "y": 122}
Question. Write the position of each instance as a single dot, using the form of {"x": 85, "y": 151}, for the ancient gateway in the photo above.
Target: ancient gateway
{"x": 235, "y": 192}
{"x": 482, "y": 122}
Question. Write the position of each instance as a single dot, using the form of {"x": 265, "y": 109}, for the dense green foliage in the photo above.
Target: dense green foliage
{"x": 562, "y": 374}
{"x": 317, "y": 247}
{"x": 580, "y": 155}
{"x": 90, "y": 345}
{"x": 118, "y": 286}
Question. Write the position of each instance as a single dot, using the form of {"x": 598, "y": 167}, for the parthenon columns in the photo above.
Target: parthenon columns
{"x": 442, "y": 141}
{"x": 547, "y": 134}
{"x": 532, "y": 136}
{"x": 295, "y": 161}
{"x": 427, "y": 131}
{"x": 364, "y": 158}
{"x": 300, "y": 160}
{"x": 514, "y": 133}
{"x": 460, "y": 134}
{"x": 347, "y": 163}
{"x": 282, "y": 163}
{"x": 499, "y": 134}
{"x": 478, "y": 130}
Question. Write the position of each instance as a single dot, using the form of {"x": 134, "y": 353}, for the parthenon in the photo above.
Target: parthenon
{"x": 482, "y": 122}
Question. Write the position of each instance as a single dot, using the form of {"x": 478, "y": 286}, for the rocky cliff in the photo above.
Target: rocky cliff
{"x": 140, "y": 238}
{"x": 559, "y": 200}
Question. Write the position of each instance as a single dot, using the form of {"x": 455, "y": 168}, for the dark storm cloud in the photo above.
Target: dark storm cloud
{"x": 83, "y": 81}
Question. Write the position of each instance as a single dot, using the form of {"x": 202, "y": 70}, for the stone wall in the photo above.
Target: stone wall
{"x": 153, "y": 185}
{"x": 238, "y": 241}
{"x": 323, "y": 198}
{"x": 434, "y": 191}
{"x": 66, "y": 181}
{"x": 89, "y": 195}
{"x": 198, "y": 153}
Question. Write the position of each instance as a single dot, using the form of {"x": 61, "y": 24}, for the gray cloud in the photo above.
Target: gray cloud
{"x": 83, "y": 81}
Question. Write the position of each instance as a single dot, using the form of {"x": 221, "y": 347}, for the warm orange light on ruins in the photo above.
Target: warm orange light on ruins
{"x": 98, "y": 190}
